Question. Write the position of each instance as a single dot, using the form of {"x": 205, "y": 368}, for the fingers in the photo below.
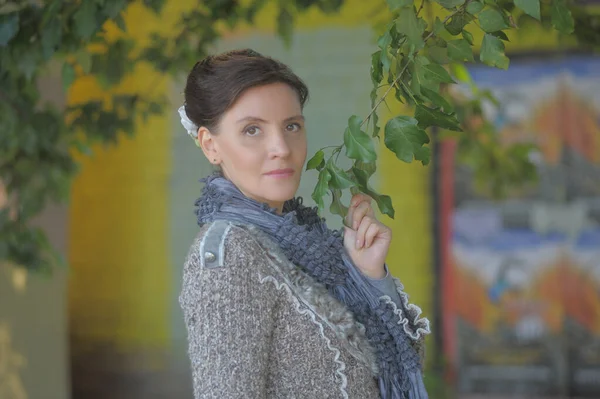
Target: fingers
{"x": 349, "y": 237}
{"x": 358, "y": 198}
{"x": 371, "y": 233}
{"x": 362, "y": 210}
{"x": 360, "y": 206}
{"x": 366, "y": 233}
{"x": 369, "y": 230}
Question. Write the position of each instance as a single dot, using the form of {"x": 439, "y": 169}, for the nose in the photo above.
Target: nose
{"x": 278, "y": 145}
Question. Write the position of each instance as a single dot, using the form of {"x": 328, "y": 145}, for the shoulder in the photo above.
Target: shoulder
{"x": 222, "y": 245}
{"x": 222, "y": 276}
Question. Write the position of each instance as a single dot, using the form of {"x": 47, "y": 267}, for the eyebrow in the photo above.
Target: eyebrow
{"x": 257, "y": 119}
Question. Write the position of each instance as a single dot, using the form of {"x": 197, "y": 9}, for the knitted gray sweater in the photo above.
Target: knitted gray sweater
{"x": 260, "y": 328}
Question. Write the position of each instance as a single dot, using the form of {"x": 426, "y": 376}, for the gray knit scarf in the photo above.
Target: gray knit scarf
{"x": 318, "y": 251}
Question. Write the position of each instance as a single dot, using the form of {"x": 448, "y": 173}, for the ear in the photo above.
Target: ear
{"x": 209, "y": 147}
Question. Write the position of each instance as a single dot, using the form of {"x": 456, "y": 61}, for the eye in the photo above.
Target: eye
{"x": 293, "y": 127}
{"x": 252, "y": 130}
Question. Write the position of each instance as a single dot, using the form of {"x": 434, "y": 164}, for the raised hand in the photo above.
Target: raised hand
{"x": 366, "y": 239}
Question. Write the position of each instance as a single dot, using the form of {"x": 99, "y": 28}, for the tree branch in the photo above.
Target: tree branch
{"x": 399, "y": 76}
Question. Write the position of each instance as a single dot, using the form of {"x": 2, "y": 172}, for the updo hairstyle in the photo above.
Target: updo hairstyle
{"x": 216, "y": 82}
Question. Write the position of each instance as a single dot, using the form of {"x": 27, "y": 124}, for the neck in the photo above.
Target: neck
{"x": 277, "y": 205}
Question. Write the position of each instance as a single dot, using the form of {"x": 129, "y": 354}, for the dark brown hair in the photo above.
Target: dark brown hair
{"x": 216, "y": 82}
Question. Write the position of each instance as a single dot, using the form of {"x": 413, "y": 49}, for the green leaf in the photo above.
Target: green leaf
{"x": 492, "y": 20}
{"x": 51, "y": 9}
{"x": 492, "y": 52}
{"x": 562, "y": 19}
{"x": 376, "y": 67}
{"x": 438, "y": 27}
{"x": 9, "y": 26}
{"x": 376, "y": 127}
{"x": 339, "y": 178}
{"x": 384, "y": 40}
{"x": 337, "y": 207}
{"x": 456, "y": 24}
{"x": 113, "y": 8}
{"x": 530, "y": 7}
{"x": 396, "y": 4}
{"x": 405, "y": 139}
{"x": 383, "y": 43}
{"x": 374, "y": 115}
{"x": 51, "y": 37}
{"x": 450, "y": 4}
{"x": 420, "y": 76}
{"x": 437, "y": 73}
{"x": 460, "y": 50}
{"x": 86, "y": 23}
{"x": 474, "y": 7}
{"x": 434, "y": 117}
{"x": 285, "y": 26}
{"x": 321, "y": 188}
{"x": 411, "y": 26}
{"x": 438, "y": 54}
{"x": 68, "y": 75}
{"x": 436, "y": 99}
{"x": 416, "y": 76}
{"x": 316, "y": 161}
{"x": 384, "y": 202}
{"x": 358, "y": 144}
{"x": 468, "y": 36}
{"x": 369, "y": 167}
{"x": 500, "y": 35}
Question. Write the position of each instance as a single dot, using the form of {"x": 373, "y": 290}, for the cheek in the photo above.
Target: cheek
{"x": 304, "y": 150}
{"x": 244, "y": 158}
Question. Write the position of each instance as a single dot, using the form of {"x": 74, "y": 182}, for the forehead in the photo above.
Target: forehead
{"x": 271, "y": 102}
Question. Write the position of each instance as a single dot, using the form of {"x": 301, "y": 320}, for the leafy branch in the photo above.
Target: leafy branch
{"x": 420, "y": 61}
{"x": 399, "y": 76}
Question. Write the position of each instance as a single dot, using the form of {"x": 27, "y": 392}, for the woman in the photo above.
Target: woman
{"x": 276, "y": 305}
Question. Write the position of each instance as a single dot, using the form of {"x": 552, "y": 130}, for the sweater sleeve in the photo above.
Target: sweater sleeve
{"x": 229, "y": 320}
{"x": 386, "y": 286}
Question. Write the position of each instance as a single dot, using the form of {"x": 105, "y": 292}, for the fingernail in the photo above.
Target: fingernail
{"x": 358, "y": 244}
{"x": 355, "y": 225}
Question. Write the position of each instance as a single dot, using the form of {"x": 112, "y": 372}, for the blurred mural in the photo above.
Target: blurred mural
{"x": 523, "y": 282}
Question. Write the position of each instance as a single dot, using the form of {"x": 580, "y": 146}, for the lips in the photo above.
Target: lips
{"x": 280, "y": 172}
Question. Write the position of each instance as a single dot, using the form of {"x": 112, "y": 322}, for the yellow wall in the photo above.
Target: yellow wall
{"x": 118, "y": 248}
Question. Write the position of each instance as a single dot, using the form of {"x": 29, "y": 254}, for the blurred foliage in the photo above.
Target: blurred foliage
{"x": 39, "y": 139}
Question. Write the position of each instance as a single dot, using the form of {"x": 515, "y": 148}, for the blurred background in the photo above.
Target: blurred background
{"x": 511, "y": 286}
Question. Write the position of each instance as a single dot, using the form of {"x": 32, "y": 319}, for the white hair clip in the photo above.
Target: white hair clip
{"x": 189, "y": 126}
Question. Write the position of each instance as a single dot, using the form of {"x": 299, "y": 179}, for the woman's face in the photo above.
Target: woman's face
{"x": 261, "y": 143}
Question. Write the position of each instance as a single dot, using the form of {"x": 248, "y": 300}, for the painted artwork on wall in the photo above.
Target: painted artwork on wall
{"x": 523, "y": 286}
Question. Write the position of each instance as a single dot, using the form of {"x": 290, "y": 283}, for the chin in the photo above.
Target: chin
{"x": 281, "y": 196}
{"x": 281, "y": 193}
